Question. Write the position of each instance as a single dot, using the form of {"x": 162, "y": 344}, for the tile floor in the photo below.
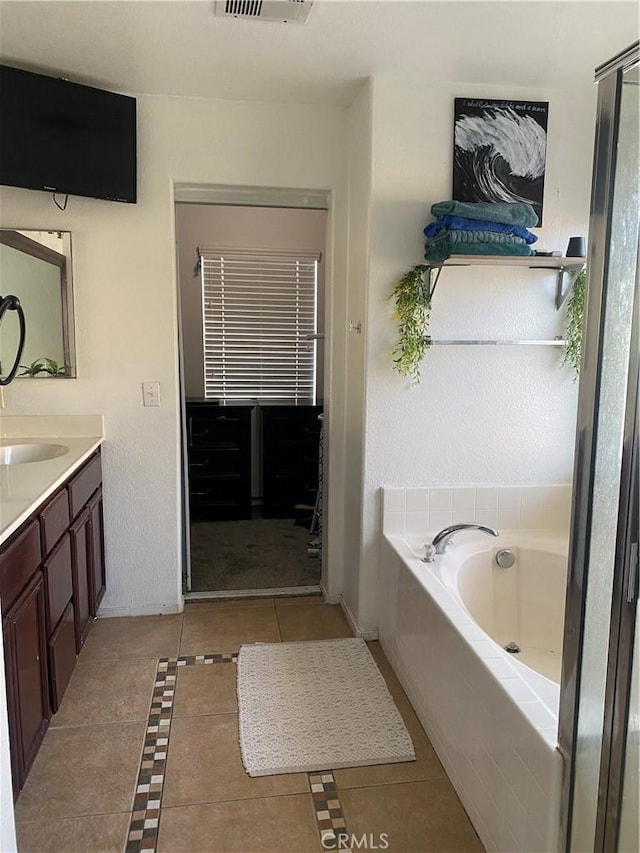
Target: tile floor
{"x": 122, "y": 769}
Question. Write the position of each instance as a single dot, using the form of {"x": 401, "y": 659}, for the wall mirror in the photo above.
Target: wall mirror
{"x": 35, "y": 266}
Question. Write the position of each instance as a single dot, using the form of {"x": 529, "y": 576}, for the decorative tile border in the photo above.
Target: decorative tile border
{"x": 196, "y": 660}
{"x": 328, "y": 810}
{"x": 143, "y": 829}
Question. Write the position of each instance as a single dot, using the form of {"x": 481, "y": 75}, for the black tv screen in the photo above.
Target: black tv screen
{"x": 66, "y": 138}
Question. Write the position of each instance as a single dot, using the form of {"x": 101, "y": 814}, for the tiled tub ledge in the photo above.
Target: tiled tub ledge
{"x": 528, "y": 507}
{"x": 492, "y": 720}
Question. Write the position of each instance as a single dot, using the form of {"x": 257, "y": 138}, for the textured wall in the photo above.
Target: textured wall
{"x": 125, "y": 294}
{"x": 481, "y": 414}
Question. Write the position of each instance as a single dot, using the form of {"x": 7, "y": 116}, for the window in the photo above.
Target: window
{"x": 259, "y": 324}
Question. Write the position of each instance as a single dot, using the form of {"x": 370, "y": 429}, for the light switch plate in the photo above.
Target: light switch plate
{"x": 151, "y": 393}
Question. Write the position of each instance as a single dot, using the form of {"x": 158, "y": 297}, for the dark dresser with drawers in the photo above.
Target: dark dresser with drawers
{"x": 290, "y": 450}
{"x": 219, "y": 455}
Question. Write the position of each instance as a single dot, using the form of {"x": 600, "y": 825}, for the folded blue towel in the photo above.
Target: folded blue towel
{"x": 507, "y": 212}
{"x": 461, "y": 223}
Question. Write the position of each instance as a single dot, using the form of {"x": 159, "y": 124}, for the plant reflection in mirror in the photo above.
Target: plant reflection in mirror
{"x": 43, "y": 365}
{"x": 575, "y": 323}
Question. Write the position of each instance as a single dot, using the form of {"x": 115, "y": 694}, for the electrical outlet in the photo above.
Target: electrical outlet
{"x": 151, "y": 393}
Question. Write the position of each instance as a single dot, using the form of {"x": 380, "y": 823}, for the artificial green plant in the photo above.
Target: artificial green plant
{"x": 575, "y": 322}
{"x": 413, "y": 311}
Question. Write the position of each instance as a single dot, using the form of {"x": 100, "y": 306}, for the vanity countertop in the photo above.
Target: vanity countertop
{"x": 23, "y": 487}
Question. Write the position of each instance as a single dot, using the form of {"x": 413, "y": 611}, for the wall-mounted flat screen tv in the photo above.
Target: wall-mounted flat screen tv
{"x": 66, "y": 138}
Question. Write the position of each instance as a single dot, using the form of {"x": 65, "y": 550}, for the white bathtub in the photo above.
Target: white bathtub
{"x": 522, "y": 604}
{"x": 491, "y": 716}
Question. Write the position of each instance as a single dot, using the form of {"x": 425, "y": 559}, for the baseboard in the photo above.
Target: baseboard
{"x": 363, "y": 633}
{"x": 275, "y": 592}
{"x": 140, "y": 610}
{"x": 329, "y": 599}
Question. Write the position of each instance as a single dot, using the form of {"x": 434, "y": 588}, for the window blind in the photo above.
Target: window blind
{"x": 259, "y": 312}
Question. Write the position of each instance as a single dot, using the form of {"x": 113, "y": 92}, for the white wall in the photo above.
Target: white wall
{"x": 125, "y": 294}
{"x": 480, "y": 414}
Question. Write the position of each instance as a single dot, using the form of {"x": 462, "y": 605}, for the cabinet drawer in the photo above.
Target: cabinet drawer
{"x": 291, "y": 423}
{"x": 54, "y": 520}
{"x": 84, "y": 484}
{"x": 62, "y": 656}
{"x": 217, "y": 430}
{"x": 218, "y": 461}
{"x": 18, "y": 561}
{"x": 220, "y": 497}
{"x": 58, "y": 582}
{"x": 215, "y": 488}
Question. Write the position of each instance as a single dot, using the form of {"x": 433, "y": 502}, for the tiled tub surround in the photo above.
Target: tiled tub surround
{"x": 494, "y": 736}
{"x": 427, "y": 510}
{"x": 24, "y": 487}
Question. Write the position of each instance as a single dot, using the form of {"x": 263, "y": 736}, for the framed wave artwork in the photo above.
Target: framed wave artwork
{"x": 499, "y": 151}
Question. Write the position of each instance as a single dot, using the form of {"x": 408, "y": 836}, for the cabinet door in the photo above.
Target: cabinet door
{"x": 81, "y": 565}
{"x": 62, "y": 656}
{"x": 96, "y": 538}
{"x": 58, "y": 580}
{"x": 12, "y": 703}
{"x": 31, "y": 677}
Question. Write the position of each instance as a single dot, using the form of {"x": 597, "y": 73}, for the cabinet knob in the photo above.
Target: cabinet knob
{"x": 37, "y": 657}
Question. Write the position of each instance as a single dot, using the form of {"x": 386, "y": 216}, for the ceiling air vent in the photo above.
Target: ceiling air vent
{"x": 282, "y": 11}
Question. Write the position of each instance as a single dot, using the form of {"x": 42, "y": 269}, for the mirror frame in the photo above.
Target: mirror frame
{"x": 17, "y": 240}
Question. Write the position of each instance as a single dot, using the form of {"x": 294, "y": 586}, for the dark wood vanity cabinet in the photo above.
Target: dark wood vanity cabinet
{"x": 25, "y": 650}
{"x": 51, "y": 582}
{"x": 219, "y": 455}
{"x": 290, "y": 449}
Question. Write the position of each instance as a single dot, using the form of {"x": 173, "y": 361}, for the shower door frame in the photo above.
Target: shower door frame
{"x": 622, "y": 625}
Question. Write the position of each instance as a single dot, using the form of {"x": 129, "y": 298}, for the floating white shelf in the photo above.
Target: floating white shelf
{"x": 555, "y": 342}
{"x": 566, "y": 268}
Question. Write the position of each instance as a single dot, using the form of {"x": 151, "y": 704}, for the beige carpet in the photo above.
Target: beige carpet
{"x": 316, "y": 706}
{"x": 261, "y": 553}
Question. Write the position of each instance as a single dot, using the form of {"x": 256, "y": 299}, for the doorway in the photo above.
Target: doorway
{"x": 251, "y": 310}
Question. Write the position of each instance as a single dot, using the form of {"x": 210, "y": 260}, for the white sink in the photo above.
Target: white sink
{"x": 17, "y": 454}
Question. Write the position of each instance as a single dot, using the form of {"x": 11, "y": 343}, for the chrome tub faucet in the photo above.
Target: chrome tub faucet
{"x": 444, "y": 538}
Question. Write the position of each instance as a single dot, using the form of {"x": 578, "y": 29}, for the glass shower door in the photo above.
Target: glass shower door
{"x": 602, "y": 585}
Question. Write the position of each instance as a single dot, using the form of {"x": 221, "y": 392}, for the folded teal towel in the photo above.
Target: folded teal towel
{"x": 439, "y": 250}
{"x": 464, "y": 236}
{"x": 507, "y": 212}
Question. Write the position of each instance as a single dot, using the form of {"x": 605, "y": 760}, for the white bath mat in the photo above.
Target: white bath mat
{"x": 316, "y": 706}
